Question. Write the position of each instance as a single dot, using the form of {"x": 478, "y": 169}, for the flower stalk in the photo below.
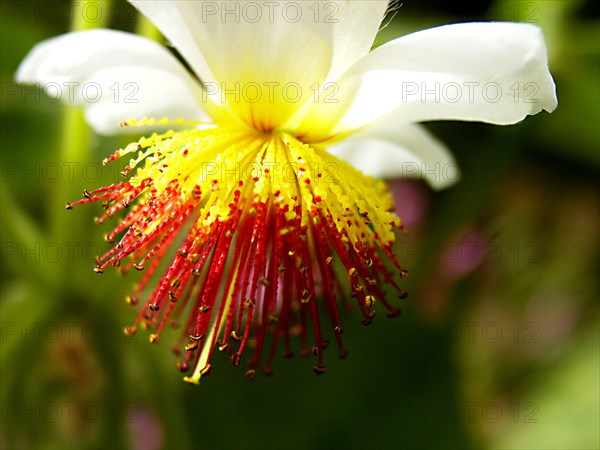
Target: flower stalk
{"x": 76, "y": 138}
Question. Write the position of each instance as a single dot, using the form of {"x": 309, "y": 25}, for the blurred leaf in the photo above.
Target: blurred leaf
{"x": 19, "y": 233}
{"x": 567, "y": 400}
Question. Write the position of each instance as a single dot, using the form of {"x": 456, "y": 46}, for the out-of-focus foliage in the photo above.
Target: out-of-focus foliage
{"x": 498, "y": 344}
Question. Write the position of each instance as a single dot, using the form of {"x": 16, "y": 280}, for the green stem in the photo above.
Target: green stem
{"x": 147, "y": 29}
{"x": 75, "y": 142}
{"x": 88, "y": 15}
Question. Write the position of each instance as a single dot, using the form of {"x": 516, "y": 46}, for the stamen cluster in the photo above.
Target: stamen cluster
{"x": 255, "y": 256}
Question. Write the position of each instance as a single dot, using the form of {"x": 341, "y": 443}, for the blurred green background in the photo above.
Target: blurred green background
{"x": 498, "y": 346}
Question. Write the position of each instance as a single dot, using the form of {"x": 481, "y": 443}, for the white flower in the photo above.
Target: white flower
{"x": 307, "y": 71}
{"x": 283, "y": 91}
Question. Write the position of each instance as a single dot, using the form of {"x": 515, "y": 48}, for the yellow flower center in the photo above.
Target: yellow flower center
{"x": 211, "y": 163}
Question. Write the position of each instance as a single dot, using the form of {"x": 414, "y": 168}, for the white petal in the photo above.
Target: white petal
{"x": 490, "y": 72}
{"x": 355, "y": 24}
{"x": 73, "y": 56}
{"x": 114, "y": 75}
{"x": 167, "y": 17}
{"x": 155, "y": 94}
{"x": 268, "y": 57}
{"x": 390, "y": 150}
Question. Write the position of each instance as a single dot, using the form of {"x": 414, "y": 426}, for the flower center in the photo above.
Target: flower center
{"x": 258, "y": 220}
